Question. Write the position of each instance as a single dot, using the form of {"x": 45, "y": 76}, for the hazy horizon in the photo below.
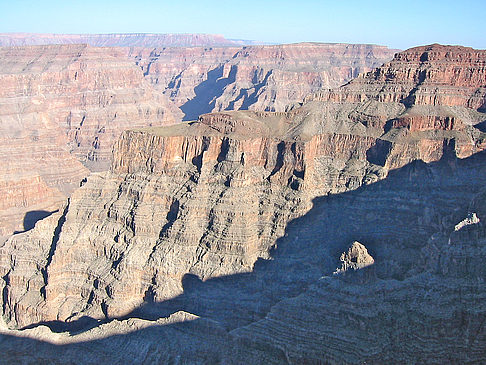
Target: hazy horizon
{"x": 378, "y": 22}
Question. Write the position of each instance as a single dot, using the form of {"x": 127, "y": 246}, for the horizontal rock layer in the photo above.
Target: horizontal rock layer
{"x": 201, "y": 80}
{"x": 428, "y": 75}
{"x": 60, "y": 106}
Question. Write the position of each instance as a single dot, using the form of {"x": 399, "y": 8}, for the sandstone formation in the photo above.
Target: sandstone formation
{"x": 220, "y": 236}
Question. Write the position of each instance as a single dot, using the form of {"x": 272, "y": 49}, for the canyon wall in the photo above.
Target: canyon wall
{"x": 264, "y": 78}
{"x": 224, "y": 235}
{"x": 61, "y": 106}
{"x": 65, "y": 104}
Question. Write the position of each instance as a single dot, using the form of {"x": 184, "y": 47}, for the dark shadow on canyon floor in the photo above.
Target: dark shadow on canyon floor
{"x": 393, "y": 218}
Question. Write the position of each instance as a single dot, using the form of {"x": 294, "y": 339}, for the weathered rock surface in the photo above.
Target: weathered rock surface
{"x": 357, "y": 257}
{"x": 240, "y": 218}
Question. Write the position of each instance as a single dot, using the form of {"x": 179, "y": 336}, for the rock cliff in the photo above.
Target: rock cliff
{"x": 261, "y": 78}
{"x": 221, "y": 235}
{"x": 59, "y": 106}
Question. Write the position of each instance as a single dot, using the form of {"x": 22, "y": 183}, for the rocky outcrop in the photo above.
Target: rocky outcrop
{"x": 416, "y": 308}
{"x": 357, "y": 257}
{"x": 240, "y": 218}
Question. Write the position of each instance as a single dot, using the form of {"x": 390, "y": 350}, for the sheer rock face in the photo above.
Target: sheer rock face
{"x": 185, "y": 213}
{"x": 201, "y": 198}
{"x": 260, "y": 78}
{"x": 433, "y": 312}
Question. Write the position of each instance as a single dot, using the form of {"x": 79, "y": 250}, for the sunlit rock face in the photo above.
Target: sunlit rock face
{"x": 241, "y": 218}
{"x": 356, "y": 258}
{"x": 62, "y": 107}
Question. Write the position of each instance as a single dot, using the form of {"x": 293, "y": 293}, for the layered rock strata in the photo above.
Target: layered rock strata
{"x": 90, "y": 94}
{"x": 260, "y": 78}
{"x": 77, "y": 99}
{"x": 60, "y": 105}
{"x": 421, "y": 301}
{"x": 240, "y": 219}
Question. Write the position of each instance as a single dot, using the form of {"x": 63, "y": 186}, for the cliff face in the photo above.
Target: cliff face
{"x": 89, "y": 94}
{"x": 240, "y": 218}
{"x": 422, "y": 92}
{"x": 204, "y": 198}
{"x": 415, "y": 76}
{"x": 265, "y": 78}
{"x": 60, "y": 105}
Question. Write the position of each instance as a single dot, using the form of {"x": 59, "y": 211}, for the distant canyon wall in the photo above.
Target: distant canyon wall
{"x": 264, "y": 78}
{"x": 62, "y": 107}
{"x": 118, "y": 40}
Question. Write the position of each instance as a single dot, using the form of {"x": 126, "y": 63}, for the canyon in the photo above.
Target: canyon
{"x": 347, "y": 227}
{"x": 62, "y": 107}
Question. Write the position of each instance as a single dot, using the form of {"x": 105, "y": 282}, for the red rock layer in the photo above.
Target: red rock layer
{"x": 427, "y": 75}
{"x": 62, "y": 102}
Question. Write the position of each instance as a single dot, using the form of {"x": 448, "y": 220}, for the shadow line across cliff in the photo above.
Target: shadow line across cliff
{"x": 393, "y": 218}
